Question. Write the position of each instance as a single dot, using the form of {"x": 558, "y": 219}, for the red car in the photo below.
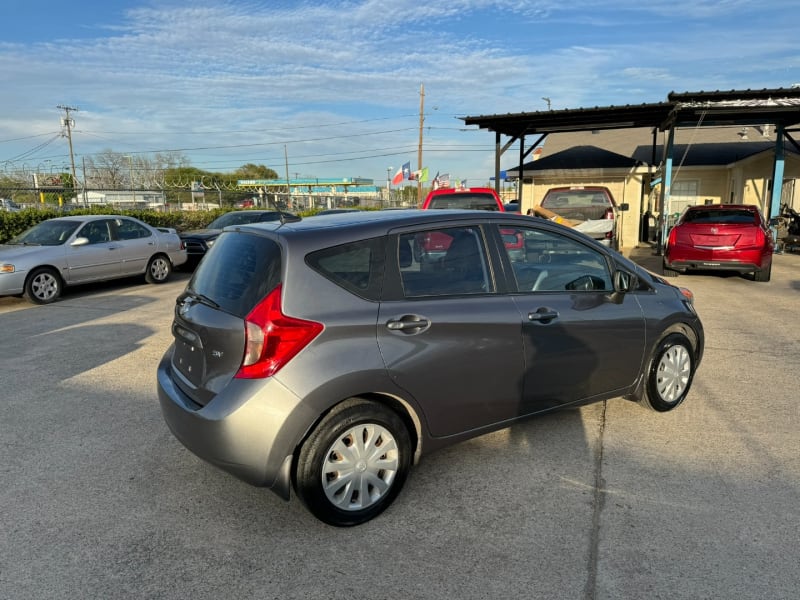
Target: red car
{"x": 726, "y": 237}
{"x": 476, "y": 198}
{"x": 433, "y": 246}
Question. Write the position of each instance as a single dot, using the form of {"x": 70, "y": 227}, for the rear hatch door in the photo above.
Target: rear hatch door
{"x": 209, "y": 323}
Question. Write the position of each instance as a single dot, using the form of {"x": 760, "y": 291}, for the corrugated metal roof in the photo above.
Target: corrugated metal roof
{"x": 734, "y": 107}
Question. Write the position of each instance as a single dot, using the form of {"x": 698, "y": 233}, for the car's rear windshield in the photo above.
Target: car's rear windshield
{"x": 731, "y": 215}
{"x": 238, "y": 271}
{"x": 575, "y": 198}
{"x": 241, "y": 217}
{"x": 465, "y": 200}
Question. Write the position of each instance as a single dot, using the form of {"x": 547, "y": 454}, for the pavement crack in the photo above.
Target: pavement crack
{"x": 598, "y": 502}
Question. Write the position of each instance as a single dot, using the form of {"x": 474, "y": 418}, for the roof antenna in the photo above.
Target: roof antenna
{"x": 281, "y": 216}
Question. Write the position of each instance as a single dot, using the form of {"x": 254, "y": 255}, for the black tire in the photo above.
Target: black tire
{"x": 763, "y": 275}
{"x": 43, "y": 286}
{"x": 159, "y": 269}
{"x": 345, "y": 483}
{"x": 669, "y": 375}
{"x": 667, "y": 272}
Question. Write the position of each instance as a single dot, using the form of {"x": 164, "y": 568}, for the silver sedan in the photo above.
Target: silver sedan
{"x": 41, "y": 261}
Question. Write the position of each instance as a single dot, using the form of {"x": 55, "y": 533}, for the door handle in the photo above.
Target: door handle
{"x": 543, "y": 315}
{"x": 408, "y": 324}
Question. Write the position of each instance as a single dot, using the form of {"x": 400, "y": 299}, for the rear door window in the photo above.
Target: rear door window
{"x": 238, "y": 271}
{"x": 443, "y": 262}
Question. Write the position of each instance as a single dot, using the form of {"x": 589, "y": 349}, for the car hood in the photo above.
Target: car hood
{"x": 201, "y": 234}
{"x": 16, "y": 252}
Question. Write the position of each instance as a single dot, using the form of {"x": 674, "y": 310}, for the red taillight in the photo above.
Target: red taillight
{"x": 673, "y": 237}
{"x": 609, "y": 214}
{"x": 272, "y": 339}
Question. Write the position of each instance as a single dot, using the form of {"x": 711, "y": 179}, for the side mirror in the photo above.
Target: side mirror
{"x": 624, "y": 206}
{"x": 79, "y": 241}
{"x": 623, "y": 281}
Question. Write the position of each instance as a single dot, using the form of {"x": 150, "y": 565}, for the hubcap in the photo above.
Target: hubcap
{"x": 44, "y": 286}
{"x": 673, "y": 372}
{"x": 159, "y": 269}
{"x": 360, "y": 467}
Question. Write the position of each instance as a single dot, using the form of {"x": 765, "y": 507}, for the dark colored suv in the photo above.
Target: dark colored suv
{"x": 322, "y": 355}
{"x": 198, "y": 241}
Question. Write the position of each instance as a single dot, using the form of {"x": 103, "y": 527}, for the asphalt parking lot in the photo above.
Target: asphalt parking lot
{"x": 610, "y": 501}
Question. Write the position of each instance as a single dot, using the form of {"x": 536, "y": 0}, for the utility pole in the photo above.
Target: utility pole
{"x": 288, "y": 184}
{"x": 69, "y": 124}
{"x": 419, "y": 151}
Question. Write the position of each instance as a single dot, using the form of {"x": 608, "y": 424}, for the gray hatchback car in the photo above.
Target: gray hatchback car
{"x": 323, "y": 355}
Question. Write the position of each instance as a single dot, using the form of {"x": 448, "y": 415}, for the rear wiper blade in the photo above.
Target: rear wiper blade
{"x": 203, "y": 299}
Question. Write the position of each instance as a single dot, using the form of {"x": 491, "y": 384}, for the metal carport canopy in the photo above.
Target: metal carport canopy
{"x": 777, "y": 106}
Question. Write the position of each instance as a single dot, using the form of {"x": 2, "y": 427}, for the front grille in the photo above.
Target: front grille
{"x": 195, "y": 247}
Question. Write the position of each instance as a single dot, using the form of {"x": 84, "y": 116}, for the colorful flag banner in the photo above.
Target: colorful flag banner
{"x": 420, "y": 175}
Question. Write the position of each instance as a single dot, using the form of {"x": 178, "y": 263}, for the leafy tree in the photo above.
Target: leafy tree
{"x": 252, "y": 171}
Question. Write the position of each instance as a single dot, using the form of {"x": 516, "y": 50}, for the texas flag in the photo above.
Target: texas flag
{"x": 403, "y": 173}
{"x": 400, "y": 175}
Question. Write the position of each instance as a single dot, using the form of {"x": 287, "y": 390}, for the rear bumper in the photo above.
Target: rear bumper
{"x": 743, "y": 261}
{"x": 741, "y": 267}
{"x": 249, "y": 430}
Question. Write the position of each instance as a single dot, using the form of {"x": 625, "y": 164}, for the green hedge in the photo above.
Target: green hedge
{"x": 13, "y": 223}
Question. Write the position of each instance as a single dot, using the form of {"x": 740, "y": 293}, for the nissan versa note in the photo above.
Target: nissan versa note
{"x": 323, "y": 355}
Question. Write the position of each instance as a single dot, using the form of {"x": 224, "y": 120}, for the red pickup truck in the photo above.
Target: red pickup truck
{"x": 476, "y": 198}
{"x": 434, "y": 245}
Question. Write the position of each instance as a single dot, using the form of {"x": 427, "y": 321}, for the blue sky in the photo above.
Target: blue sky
{"x": 335, "y": 86}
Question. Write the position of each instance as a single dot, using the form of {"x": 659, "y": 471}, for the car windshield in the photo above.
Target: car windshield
{"x": 47, "y": 233}
{"x": 464, "y": 200}
{"x": 237, "y": 218}
{"x": 733, "y": 216}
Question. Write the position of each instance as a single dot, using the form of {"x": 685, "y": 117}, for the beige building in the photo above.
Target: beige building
{"x": 710, "y": 165}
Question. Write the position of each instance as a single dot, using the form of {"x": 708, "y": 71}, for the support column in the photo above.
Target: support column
{"x": 774, "y": 208}
{"x": 666, "y": 184}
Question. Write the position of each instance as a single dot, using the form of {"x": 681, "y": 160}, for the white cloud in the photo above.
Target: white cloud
{"x": 215, "y": 74}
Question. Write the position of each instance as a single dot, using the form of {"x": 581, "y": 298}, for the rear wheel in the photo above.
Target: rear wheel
{"x": 43, "y": 286}
{"x": 159, "y": 269}
{"x": 354, "y": 463}
{"x": 763, "y": 274}
{"x": 667, "y": 271}
{"x": 669, "y": 375}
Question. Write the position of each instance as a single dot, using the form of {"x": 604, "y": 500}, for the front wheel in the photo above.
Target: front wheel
{"x": 158, "y": 270}
{"x": 354, "y": 463}
{"x": 670, "y": 373}
{"x": 43, "y": 286}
